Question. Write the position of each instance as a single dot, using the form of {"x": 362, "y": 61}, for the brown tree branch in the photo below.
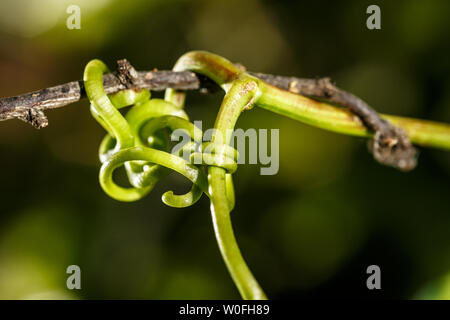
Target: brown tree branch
{"x": 390, "y": 144}
{"x": 29, "y": 106}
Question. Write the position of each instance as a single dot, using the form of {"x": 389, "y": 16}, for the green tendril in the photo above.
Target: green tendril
{"x": 136, "y": 141}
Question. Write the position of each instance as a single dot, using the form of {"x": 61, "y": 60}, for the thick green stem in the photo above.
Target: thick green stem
{"x": 240, "y": 95}
{"x": 325, "y": 116}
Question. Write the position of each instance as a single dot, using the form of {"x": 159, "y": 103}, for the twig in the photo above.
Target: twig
{"x": 29, "y": 106}
{"x": 390, "y": 145}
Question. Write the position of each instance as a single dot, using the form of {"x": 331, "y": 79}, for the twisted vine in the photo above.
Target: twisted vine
{"x": 137, "y": 142}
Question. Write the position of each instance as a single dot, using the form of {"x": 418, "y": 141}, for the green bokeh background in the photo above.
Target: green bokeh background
{"x": 308, "y": 232}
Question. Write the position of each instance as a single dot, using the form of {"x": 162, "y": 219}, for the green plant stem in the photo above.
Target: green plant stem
{"x": 103, "y": 110}
{"x": 326, "y": 116}
{"x": 240, "y": 95}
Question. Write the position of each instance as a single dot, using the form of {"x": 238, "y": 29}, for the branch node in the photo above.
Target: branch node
{"x": 391, "y": 146}
{"x": 35, "y": 117}
{"x": 126, "y": 74}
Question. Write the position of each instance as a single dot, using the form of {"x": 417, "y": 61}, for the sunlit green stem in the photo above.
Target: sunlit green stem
{"x": 103, "y": 109}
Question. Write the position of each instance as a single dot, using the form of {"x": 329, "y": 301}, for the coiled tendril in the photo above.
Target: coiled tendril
{"x": 138, "y": 143}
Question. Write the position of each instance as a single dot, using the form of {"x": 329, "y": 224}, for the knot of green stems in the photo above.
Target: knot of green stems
{"x": 138, "y": 142}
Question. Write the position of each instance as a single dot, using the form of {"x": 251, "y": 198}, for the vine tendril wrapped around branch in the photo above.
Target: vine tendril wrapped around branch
{"x": 137, "y": 142}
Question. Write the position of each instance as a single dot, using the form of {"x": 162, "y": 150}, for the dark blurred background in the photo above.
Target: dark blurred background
{"x": 308, "y": 232}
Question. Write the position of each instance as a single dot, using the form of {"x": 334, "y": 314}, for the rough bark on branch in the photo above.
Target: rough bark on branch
{"x": 29, "y": 106}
